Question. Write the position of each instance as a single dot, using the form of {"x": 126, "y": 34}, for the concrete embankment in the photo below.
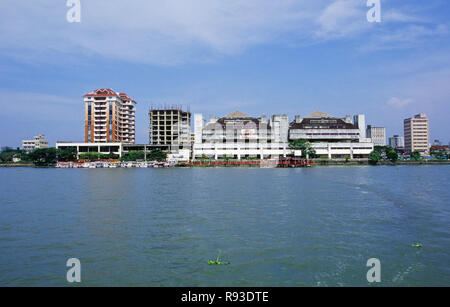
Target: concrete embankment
{"x": 16, "y": 165}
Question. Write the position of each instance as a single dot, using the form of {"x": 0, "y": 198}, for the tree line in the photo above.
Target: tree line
{"x": 49, "y": 156}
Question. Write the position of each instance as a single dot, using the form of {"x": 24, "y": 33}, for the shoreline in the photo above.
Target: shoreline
{"x": 316, "y": 163}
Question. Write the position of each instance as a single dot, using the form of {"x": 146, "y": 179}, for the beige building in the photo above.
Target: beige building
{"x": 109, "y": 117}
{"x": 377, "y": 134}
{"x": 417, "y": 134}
{"x": 37, "y": 143}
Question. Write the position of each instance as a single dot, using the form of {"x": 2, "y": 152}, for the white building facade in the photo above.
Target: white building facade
{"x": 240, "y": 136}
{"x": 36, "y": 143}
{"x": 332, "y": 137}
{"x": 377, "y": 134}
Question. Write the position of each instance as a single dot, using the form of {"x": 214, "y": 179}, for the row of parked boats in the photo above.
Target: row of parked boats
{"x": 113, "y": 164}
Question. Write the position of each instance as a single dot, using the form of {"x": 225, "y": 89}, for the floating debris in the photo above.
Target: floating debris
{"x": 217, "y": 261}
{"x": 416, "y": 245}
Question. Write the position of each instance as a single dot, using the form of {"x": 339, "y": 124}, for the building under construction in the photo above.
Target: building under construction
{"x": 170, "y": 126}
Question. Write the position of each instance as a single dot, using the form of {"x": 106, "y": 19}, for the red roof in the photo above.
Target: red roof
{"x": 107, "y": 92}
{"x": 103, "y": 92}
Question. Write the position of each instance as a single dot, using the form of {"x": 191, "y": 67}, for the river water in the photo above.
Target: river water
{"x": 277, "y": 227}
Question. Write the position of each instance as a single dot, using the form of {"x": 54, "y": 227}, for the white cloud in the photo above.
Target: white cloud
{"x": 342, "y": 18}
{"x": 173, "y": 31}
{"x": 398, "y": 102}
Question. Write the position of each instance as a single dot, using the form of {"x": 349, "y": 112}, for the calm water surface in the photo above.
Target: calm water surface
{"x": 277, "y": 227}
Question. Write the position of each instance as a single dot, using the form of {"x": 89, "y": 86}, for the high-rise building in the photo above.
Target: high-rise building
{"x": 109, "y": 117}
{"x": 417, "y": 134}
{"x": 377, "y": 134}
{"x": 396, "y": 142}
{"x": 170, "y": 126}
{"x": 37, "y": 143}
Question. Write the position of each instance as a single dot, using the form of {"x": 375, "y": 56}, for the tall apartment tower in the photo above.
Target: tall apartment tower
{"x": 417, "y": 134}
{"x": 170, "y": 126}
{"x": 109, "y": 117}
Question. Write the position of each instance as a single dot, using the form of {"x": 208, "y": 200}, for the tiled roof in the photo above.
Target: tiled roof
{"x": 237, "y": 114}
{"x": 318, "y": 114}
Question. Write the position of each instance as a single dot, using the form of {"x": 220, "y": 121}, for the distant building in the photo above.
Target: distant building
{"x": 440, "y": 148}
{"x": 109, "y": 117}
{"x": 37, "y": 143}
{"x": 333, "y": 137}
{"x": 417, "y": 134}
{"x": 397, "y": 142}
{"x": 437, "y": 143}
{"x": 170, "y": 126}
{"x": 377, "y": 134}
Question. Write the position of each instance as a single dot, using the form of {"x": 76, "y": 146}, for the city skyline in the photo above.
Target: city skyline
{"x": 291, "y": 58}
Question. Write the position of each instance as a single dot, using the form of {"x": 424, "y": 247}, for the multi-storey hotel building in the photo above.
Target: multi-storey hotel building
{"x": 109, "y": 117}
{"x": 417, "y": 134}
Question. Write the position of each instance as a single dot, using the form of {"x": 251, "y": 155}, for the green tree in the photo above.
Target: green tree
{"x": 44, "y": 156}
{"x": 157, "y": 155}
{"x": 392, "y": 155}
{"x": 304, "y": 146}
{"x": 415, "y": 155}
{"x": 7, "y": 155}
{"x": 374, "y": 157}
{"x": 67, "y": 154}
{"x": 133, "y": 155}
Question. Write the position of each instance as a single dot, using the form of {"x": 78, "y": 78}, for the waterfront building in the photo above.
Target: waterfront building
{"x": 109, "y": 117}
{"x": 417, "y": 134}
{"x": 333, "y": 137}
{"x": 36, "y": 143}
{"x": 377, "y": 134}
{"x": 171, "y": 127}
{"x": 240, "y": 136}
{"x": 397, "y": 142}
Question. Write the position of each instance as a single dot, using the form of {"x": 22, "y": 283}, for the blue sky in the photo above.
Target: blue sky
{"x": 256, "y": 56}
